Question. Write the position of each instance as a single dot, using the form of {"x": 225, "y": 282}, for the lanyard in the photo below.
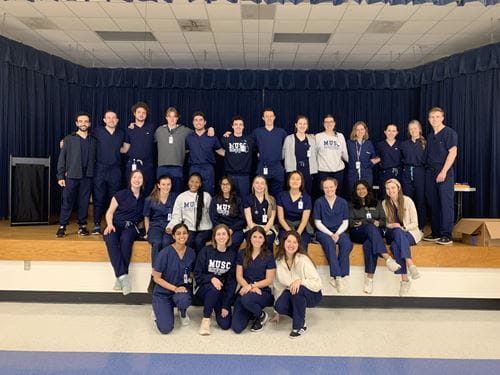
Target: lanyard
{"x": 358, "y": 149}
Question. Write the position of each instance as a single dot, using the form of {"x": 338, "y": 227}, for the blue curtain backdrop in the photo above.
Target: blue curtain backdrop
{"x": 40, "y": 94}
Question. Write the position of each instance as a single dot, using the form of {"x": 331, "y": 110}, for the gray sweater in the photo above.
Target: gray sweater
{"x": 172, "y": 153}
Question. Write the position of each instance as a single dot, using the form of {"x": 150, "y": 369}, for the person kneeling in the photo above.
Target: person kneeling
{"x": 297, "y": 284}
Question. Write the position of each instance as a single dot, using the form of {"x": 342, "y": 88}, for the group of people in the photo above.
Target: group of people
{"x": 179, "y": 223}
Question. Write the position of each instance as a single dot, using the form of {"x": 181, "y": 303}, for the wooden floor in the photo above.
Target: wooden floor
{"x": 39, "y": 243}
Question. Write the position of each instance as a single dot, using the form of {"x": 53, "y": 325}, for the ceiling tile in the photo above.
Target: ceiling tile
{"x": 257, "y": 37}
{"x": 21, "y": 9}
{"x": 344, "y": 38}
{"x": 233, "y": 38}
{"x": 467, "y": 12}
{"x": 121, "y": 9}
{"x": 327, "y": 11}
{"x": 69, "y": 23}
{"x": 431, "y": 12}
{"x": 28, "y": 36}
{"x": 199, "y": 37}
{"x": 416, "y": 27}
{"x": 157, "y": 24}
{"x": 12, "y": 23}
{"x": 53, "y": 9}
{"x": 493, "y": 11}
{"x": 311, "y": 48}
{"x": 176, "y": 48}
{"x": 280, "y": 48}
{"x": 101, "y": 24}
{"x": 152, "y": 10}
{"x": 145, "y": 47}
{"x": 201, "y": 49}
{"x": 394, "y": 48}
{"x": 368, "y": 38}
{"x": 365, "y": 48}
{"x": 228, "y": 11}
{"x": 55, "y": 35}
{"x": 226, "y": 26}
{"x": 433, "y": 38}
{"x": 89, "y": 9}
{"x": 396, "y": 12}
{"x": 83, "y": 36}
{"x": 320, "y": 26}
{"x": 404, "y": 38}
{"x": 132, "y": 24}
{"x": 189, "y": 11}
{"x": 338, "y": 48}
{"x": 292, "y": 11}
{"x": 169, "y": 37}
{"x": 448, "y": 27}
{"x": 121, "y": 46}
{"x": 362, "y": 12}
{"x": 288, "y": 26}
{"x": 359, "y": 27}
{"x": 254, "y": 26}
{"x": 225, "y": 49}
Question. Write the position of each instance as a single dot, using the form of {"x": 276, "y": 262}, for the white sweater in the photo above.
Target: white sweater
{"x": 185, "y": 211}
{"x": 331, "y": 150}
{"x": 302, "y": 268}
{"x": 410, "y": 219}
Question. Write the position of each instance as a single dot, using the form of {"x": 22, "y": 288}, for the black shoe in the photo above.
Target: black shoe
{"x": 83, "y": 231}
{"x": 96, "y": 230}
{"x": 445, "y": 241}
{"x": 296, "y": 333}
{"x": 259, "y": 323}
{"x": 431, "y": 238}
{"x": 61, "y": 231}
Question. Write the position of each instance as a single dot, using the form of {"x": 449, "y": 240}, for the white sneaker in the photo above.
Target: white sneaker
{"x": 205, "y": 326}
{"x": 332, "y": 282}
{"x": 413, "y": 270}
{"x": 153, "y": 316}
{"x": 118, "y": 284}
{"x": 392, "y": 265}
{"x": 368, "y": 289}
{"x": 126, "y": 284}
{"x": 404, "y": 289}
{"x": 185, "y": 321}
{"x": 340, "y": 284}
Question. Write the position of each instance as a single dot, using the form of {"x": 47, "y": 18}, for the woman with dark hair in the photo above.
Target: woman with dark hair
{"x": 191, "y": 208}
{"x": 123, "y": 216}
{"x": 215, "y": 279}
{"x": 402, "y": 231}
{"x": 226, "y": 208}
{"x": 389, "y": 152}
{"x": 299, "y": 152}
{"x": 366, "y": 222}
{"x": 255, "y": 269}
{"x": 172, "y": 273}
{"x": 297, "y": 284}
{"x": 294, "y": 208}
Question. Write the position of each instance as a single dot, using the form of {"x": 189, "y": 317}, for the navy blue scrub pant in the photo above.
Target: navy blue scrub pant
{"x": 440, "y": 200}
{"x": 339, "y": 176}
{"x": 413, "y": 184}
{"x": 339, "y": 264}
{"x": 207, "y": 176}
{"x": 163, "y": 307}
{"x": 248, "y": 307}
{"x": 387, "y": 174}
{"x": 373, "y": 244}
{"x": 275, "y": 177}
{"x": 119, "y": 245}
{"x": 352, "y": 177}
{"x": 148, "y": 171}
{"x": 175, "y": 173}
{"x": 305, "y": 237}
{"x": 107, "y": 181}
{"x": 241, "y": 184}
{"x": 212, "y": 301}
{"x": 197, "y": 240}
{"x": 294, "y": 305}
{"x": 401, "y": 242}
{"x": 237, "y": 239}
{"x": 75, "y": 187}
{"x": 159, "y": 239}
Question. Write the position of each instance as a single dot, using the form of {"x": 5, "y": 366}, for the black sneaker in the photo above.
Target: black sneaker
{"x": 445, "y": 241}
{"x": 96, "y": 230}
{"x": 259, "y": 323}
{"x": 296, "y": 333}
{"x": 83, "y": 231}
{"x": 431, "y": 238}
{"x": 61, "y": 231}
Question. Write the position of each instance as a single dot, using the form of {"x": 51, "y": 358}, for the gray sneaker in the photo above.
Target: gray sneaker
{"x": 126, "y": 284}
{"x": 118, "y": 284}
{"x": 413, "y": 270}
{"x": 404, "y": 289}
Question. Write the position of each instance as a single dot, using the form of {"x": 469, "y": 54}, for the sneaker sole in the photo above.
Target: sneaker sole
{"x": 430, "y": 240}
{"x": 445, "y": 243}
{"x": 295, "y": 337}
{"x": 259, "y": 331}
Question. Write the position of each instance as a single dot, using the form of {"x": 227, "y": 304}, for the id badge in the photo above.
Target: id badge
{"x": 308, "y": 154}
{"x": 170, "y": 140}
{"x": 358, "y": 165}
{"x": 264, "y": 218}
{"x": 134, "y": 166}
{"x": 186, "y": 279}
{"x": 169, "y": 217}
{"x": 368, "y": 215}
{"x": 301, "y": 205}
{"x": 265, "y": 171}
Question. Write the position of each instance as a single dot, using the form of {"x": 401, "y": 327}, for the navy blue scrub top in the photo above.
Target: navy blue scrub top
{"x": 238, "y": 157}
{"x": 258, "y": 209}
{"x": 291, "y": 208}
{"x": 201, "y": 148}
{"x": 363, "y": 153}
{"x": 141, "y": 140}
{"x": 333, "y": 217}
{"x": 301, "y": 149}
{"x": 390, "y": 155}
{"x": 269, "y": 144}
{"x": 108, "y": 146}
{"x": 173, "y": 268}
{"x": 413, "y": 153}
{"x": 129, "y": 207}
{"x": 159, "y": 213}
{"x": 255, "y": 270}
{"x": 84, "y": 149}
{"x": 438, "y": 146}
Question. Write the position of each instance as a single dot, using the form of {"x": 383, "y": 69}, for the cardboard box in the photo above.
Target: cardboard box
{"x": 479, "y": 232}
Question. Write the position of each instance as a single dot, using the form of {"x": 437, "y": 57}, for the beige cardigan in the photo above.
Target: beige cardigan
{"x": 410, "y": 219}
{"x": 302, "y": 268}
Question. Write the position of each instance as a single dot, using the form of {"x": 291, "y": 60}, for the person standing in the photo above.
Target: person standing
{"x": 75, "y": 170}
{"x": 108, "y": 174}
{"x": 389, "y": 152}
{"x": 442, "y": 151}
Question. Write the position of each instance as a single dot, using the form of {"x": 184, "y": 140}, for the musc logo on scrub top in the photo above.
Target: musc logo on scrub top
{"x": 189, "y": 204}
{"x": 331, "y": 143}
{"x": 238, "y": 147}
{"x": 223, "y": 209}
{"x": 218, "y": 267}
